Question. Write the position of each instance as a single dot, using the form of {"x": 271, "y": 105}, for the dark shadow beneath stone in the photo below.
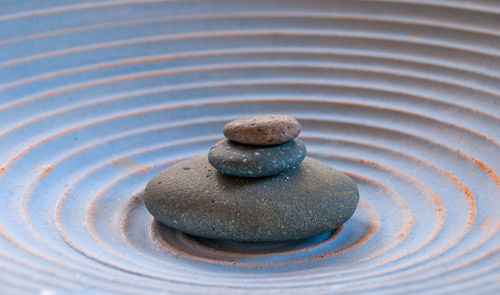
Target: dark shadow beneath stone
{"x": 257, "y": 248}
{"x": 262, "y": 248}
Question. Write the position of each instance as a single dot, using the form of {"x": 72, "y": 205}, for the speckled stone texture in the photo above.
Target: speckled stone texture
{"x": 255, "y": 161}
{"x": 194, "y": 198}
{"x": 262, "y": 130}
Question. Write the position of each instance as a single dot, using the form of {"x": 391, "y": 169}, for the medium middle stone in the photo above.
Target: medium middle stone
{"x": 236, "y": 159}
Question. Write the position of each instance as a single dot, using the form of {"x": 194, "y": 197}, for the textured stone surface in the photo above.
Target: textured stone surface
{"x": 262, "y": 130}
{"x": 255, "y": 161}
{"x": 193, "y": 197}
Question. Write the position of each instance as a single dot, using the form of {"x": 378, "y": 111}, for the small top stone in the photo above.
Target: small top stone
{"x": 262, "y": 130}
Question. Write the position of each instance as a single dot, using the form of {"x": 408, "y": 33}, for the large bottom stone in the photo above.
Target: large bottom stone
{"x": 194, "y": 198}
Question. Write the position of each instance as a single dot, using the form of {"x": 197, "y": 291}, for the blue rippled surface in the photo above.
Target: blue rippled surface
{"x": 97, "y": 97}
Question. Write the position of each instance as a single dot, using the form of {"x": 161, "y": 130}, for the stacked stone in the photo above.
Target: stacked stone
{"x": 263, "y": 187}
{"x": 258, "y": 147}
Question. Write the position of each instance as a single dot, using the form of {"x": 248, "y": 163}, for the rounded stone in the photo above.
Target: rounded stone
{"x": 194, "y": 198}
{"x": 255, "y": 161}
{"x": 262, "y": 130}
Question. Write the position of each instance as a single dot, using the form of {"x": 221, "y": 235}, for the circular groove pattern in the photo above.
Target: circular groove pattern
{"x": 97, "y": 97}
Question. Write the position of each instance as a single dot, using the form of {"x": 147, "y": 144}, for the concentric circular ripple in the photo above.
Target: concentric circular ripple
{"x": 97, "y": 97}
